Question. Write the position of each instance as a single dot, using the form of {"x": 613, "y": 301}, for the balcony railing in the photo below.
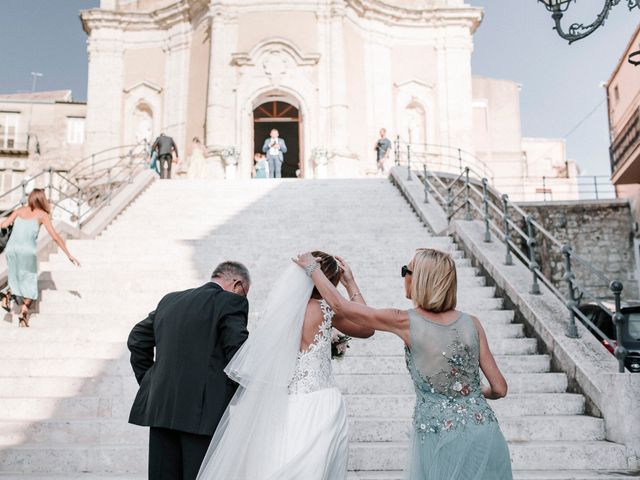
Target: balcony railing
{"x": 14, "y": 144}
{"x": 625, "y": 142}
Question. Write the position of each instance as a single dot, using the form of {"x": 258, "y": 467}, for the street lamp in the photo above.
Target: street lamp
{"x": 578, "y": 31}
{"x": 34, "y": 76}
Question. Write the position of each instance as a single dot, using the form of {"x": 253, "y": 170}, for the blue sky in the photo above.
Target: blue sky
{"x": 560, "y": 83}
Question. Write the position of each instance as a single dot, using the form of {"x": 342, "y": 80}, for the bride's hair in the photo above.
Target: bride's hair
{"x": 331, "y": 269}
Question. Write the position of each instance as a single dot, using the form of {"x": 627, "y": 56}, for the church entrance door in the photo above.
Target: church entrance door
{"x": 285, "y": 118}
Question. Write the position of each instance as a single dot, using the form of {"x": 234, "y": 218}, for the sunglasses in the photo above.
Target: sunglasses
{"x": 405, "y": 271}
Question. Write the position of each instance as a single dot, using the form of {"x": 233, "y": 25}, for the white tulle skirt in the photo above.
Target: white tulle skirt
{"x": 315, "y": 445}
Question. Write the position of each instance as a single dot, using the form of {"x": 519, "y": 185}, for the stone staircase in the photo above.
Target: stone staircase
{"x": 66, "y": 386}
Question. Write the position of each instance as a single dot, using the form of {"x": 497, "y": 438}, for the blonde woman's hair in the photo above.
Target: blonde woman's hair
{"x": 434, "y": 283}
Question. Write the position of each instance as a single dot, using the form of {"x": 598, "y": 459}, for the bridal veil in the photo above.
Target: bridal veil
{"x": 243, "y": 445}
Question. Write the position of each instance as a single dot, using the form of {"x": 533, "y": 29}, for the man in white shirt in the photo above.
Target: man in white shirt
{"x": 274, "y": 147}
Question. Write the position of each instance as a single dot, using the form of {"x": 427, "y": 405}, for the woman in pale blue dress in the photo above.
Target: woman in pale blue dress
{"x": 260, "y": 166}
{"x": 21, "y": 252}
{"x": 455, "y": 434}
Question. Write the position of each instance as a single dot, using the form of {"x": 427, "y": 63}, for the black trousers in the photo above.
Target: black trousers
{"x": 175, "y": 455}
{"x": 165, "y": 165}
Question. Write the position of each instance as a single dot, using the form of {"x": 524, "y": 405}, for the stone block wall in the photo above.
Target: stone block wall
{"x": 601, "y": 231}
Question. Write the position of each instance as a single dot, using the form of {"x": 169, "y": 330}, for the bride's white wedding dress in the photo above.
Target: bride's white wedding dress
{"x": 287, "y": 420}
{"x": 316, "y": 434}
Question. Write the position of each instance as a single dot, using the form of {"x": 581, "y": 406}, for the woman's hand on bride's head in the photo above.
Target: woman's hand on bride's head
{"x": 305, "y": 259}
{"x": 347, "y": 274}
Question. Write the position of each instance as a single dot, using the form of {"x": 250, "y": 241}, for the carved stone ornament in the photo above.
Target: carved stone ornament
{"x": 275, "y": 65}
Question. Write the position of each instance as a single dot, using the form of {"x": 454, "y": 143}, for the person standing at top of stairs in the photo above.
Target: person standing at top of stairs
{"x": 165, "y": 146}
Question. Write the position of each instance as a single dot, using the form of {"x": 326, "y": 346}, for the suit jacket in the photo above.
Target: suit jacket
{"x": 194, "y": 333}
{"x": 164, "y": 144}
{"x": 283, "y": 148}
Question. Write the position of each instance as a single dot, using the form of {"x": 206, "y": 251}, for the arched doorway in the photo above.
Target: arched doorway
{"x": 285, "y": 118}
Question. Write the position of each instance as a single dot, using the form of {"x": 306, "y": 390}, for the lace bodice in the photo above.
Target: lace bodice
{"x": 313, "y": 367}
{"x": 444, "y": 365}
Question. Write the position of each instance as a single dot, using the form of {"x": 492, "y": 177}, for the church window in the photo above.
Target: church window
{"x": 75, "y": 130}
{"x": 9, "y": 129}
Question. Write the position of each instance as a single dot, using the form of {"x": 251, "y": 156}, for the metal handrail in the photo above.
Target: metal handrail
{"x": 80, "y": 195}
{"x": 490, "y": 206}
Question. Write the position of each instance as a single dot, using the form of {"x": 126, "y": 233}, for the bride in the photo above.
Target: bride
{"x": 288, "y": 419}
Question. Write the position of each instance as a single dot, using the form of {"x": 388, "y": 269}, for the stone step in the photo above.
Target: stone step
{"x": 110, "y": 328}
{"x": 178, "y": 247}
{"x": 115, "y": 386}
{"x": 593, "y": 455}
{"x": 515, "y": 429}
{"x": 87, "y": 281}
{"x": 186, "y": 263}
{"x": 376, "y": 384}
{"x": 396, "y": 364}
{"x": 500, "y": 337}
{"x": 145, "y": 304}
{"x": 124, "y": 297}
{"x": 393, "y": 406}
{"x": 361, "y": 429}
{"x": 361, "y": 475}
{"x": 90, "y": 366}
{"x": 372, "y": 455}
{"x": 503, "y": 338}
{"x": 389, "y": 406}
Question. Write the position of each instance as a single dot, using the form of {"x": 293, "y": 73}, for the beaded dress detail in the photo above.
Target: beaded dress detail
{"x": 452, "y": 420}
{"x": 313, "y": 367}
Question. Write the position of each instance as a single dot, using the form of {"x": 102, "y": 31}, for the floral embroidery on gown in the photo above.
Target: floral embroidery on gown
{"x": 455, "y": 433}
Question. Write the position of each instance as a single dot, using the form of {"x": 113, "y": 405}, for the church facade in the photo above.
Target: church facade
{"x": 328, "y": 74}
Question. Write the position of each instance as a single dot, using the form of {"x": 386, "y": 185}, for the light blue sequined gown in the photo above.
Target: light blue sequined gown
{"x": 455, "y": 434}
{"x": 21, "y": 258}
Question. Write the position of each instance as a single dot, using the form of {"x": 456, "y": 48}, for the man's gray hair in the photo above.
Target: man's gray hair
{"x": 233, "y": 269}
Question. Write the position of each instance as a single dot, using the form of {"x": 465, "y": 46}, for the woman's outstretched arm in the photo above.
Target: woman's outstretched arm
{"x": 46, "y": 221}
{"x": 341, "y": 322}
{"x": 386, "y": 319}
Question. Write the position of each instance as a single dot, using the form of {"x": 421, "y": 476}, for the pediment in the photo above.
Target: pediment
{"x": 143, "y": 85}
{"x": 414, "y": 82}
{"x": 277, "y": 47}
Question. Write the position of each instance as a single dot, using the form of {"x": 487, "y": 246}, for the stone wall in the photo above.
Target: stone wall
{"x": 599, "y": 230}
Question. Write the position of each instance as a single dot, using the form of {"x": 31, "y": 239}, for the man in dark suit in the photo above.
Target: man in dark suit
{"x": 164, "y": 146}
{"x": 184, "y": 390}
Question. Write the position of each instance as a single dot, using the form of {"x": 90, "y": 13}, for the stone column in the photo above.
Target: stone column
{"x": 454, "y": 88}
{"x": 176, "y": 89}
{"x": 380, "y": 84}
{"x": 104, "y": 90}
{"x": 342, "y": 162}
{"x": 339, "y": 108}
{"x": 220, "y": 124}
{"x": 219, "y": 131}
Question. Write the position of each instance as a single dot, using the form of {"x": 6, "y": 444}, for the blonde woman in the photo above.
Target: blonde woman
{"x": 21, "y": 251}
{"x": 455, "y": 433}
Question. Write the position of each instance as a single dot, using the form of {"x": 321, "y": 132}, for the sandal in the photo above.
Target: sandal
{"x": 5, "y": 303}
{"x": 24, "y": 320}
